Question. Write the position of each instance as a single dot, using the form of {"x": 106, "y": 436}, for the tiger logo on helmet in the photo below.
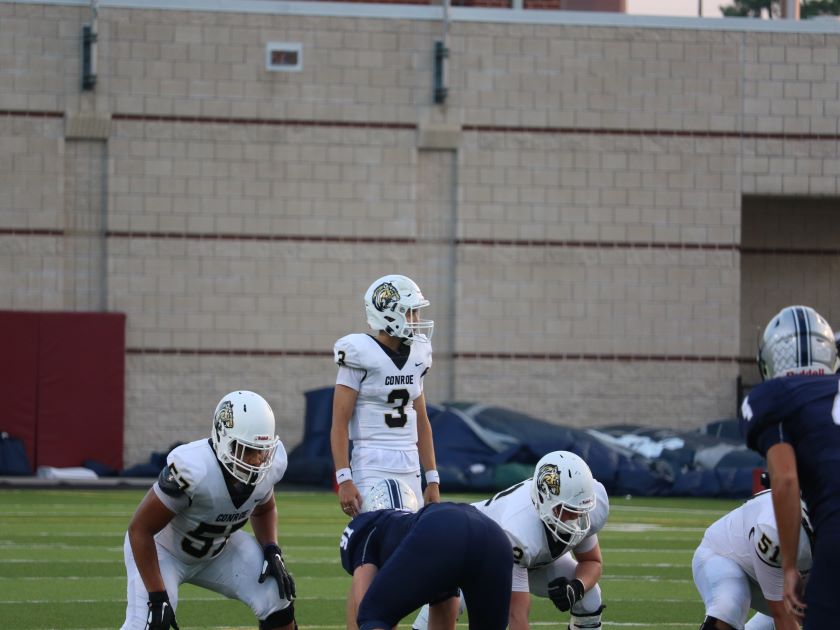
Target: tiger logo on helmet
{"x": 385, "y": 296}
{"x": 548, "y": 479}
{"x": 224, "y": 417}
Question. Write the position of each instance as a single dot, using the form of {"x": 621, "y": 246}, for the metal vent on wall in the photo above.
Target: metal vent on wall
{"x": 284, "y": 57}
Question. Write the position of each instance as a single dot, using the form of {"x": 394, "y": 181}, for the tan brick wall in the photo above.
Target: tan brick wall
{"x": 574, "y": 210}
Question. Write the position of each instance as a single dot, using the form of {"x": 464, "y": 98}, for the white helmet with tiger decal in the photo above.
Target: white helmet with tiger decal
{"x": 563, "y": 491}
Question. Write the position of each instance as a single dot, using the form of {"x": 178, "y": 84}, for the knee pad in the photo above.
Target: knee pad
{"x": 280, "y": 618}
{"x": 586, "y": 621}
{"x": 711, "y": 623}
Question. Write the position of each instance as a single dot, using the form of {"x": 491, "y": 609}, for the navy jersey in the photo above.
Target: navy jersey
{"x": 803, "y": 411}
{"x": 371, "y": 537}
{"x": 424, "y": 557}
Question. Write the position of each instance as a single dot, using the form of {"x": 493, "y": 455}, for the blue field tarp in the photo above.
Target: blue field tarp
{"x": 484, "y": 449}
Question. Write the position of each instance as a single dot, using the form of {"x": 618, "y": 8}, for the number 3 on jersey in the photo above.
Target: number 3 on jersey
{"x": 397, "y": 418}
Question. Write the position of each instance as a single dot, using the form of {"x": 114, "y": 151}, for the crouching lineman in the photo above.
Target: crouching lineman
{"x": 400, "y": 559}
{"x": 738, "y": 566}
{"x": 552, "y": 522}
{"x": 187, "y": 527}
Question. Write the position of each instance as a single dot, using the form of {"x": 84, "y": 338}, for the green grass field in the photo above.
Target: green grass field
{"x": 61, "y": 563}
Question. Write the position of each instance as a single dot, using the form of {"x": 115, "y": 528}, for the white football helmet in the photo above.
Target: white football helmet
{"x": 798, "y": 340}
{"x": 563, "y": 492}
{"x": 243, "y": 435}
{"x": 388, "y": 303}
{"x": 390, "y": 494}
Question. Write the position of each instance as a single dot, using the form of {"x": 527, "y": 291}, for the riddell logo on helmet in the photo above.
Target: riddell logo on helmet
{"x": 263, "y": 438}
{"x": 815, "y": 371}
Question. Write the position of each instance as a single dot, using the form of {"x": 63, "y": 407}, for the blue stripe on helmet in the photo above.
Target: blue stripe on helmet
{"x": 396, "y": 495}
{"x": 803, "y": 336}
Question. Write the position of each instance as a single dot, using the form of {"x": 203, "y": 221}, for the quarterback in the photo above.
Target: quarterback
{"x": 379, "y": 402}
{"x": 188, "y": 526}
{"x": 737, "y": 567}
{"x": 552, "y": 522}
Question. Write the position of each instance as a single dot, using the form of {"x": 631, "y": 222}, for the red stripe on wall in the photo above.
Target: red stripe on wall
{"x": 676, "y": 133}
{"x": 25, "y": 113}
{"x": 469, "y": 356}
{"x": 30, "y": 232}
{"x": 278, "y": 122}
{"x": 297, "y": 238}
{"x": 227, "y": 352}
{"x": 479, "y": 242}
{"x": 361, "y": 124}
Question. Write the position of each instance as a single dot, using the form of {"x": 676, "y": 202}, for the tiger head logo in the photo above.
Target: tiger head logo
{"x": 385, "y": 297}
{"x": 548, "y": 480}
{"x": 224, "y": 417}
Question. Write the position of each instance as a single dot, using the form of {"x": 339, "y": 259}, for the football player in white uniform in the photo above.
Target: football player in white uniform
{"x": 552, "y": 521}
{"x": 188, "y": 526}
{"x": 379, "y": 402}
{"x": 737, "y": 567}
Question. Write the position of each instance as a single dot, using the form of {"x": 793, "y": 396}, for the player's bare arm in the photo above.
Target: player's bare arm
{"x": 784, "y": 483}
{"x": 782, "y": 620}
{"x": 590, "y": 566}
{"x": 426, "y": 449}
{"x": 344, "y": 400}
{"x": 520, "y": 610}
{"x": 150, "y": 517}
{"x": 264, "y": 522}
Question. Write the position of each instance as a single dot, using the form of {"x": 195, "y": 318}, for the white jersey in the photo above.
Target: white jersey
{"x": 387, "y": 383}
{"x": 193, "y": 486}
{"x": 533, "y": 546}
{"x": 748, "y": 536}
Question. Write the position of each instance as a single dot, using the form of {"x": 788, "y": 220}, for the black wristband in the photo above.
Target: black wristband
{"x": 158, "y": 597}
{"x": 272, "y": 548}
{"x": 578, "y": 591}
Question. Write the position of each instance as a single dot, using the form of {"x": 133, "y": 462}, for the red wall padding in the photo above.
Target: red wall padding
{"x": 19, "y": 378}
{"x": 78, "y": 387}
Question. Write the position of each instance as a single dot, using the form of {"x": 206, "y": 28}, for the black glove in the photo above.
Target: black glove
{"x": 273, "y": 565}
{"x": 564, "y": 592}
{"x": 161, "y": 615}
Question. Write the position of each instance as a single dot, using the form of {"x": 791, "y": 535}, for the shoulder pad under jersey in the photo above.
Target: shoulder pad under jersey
{"x": 765, "y": 541}
{"x": 349, "y": 350}
{"x": 186, "y": 467}
{"x": 598, "y": 517}
{"x": 280, "y": 463}
{"x": 522, "y": 554}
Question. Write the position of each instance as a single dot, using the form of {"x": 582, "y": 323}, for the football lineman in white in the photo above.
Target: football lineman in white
{"x": 552, "y": 521}
{"x": 188, "y": 526}
{"x": 737, "y": 567}
{"x": 379, "y": 402}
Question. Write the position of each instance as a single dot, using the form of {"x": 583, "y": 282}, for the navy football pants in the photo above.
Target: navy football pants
{"x": 449, "y": 547}
{"x": 822, "y": 594}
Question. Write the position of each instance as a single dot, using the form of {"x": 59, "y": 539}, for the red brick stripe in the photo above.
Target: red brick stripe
{"x": 475, "y": 242}
{"x": 26, "y": 113}
{"x": 468, "y": 356}
{"x": 278, "y": 122}
{"x": 361, "y": 124}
